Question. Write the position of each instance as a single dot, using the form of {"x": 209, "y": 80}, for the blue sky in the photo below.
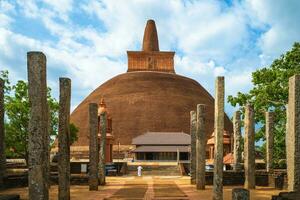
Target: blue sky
{"x": 87, "y": 40}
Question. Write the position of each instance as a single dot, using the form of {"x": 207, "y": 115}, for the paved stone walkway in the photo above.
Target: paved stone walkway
{"x": 149, "y": 188}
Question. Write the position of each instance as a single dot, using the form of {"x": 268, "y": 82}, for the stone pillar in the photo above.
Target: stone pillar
{"x": 38, "y": 127}
{"x": 237, "y": 150}
{"x": 293, "y": 135}
{"x": 193, "y": 146}
{"x": 200, "y": 147}
{"x": 218, "y": 131}
{"x": 64, "y": 139}
{"x": 102, "y": 148}
{"x": 249, "y": 148}
{"x": 94, "y": 152}
{"x": 270, "y": 141}
{"x": 240, "y": 194}
{"x": 2, "y": 136}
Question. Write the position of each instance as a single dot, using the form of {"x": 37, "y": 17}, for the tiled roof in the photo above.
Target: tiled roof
{"x": 226, "y": 138}
{"x": 162, "y": 149}
{"x": 162, "y": 138}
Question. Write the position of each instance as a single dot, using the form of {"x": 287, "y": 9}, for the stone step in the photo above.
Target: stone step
{"x": 156, "y": 170}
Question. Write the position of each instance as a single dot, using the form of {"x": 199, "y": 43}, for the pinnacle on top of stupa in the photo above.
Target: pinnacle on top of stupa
{"x": 150, "y": 41}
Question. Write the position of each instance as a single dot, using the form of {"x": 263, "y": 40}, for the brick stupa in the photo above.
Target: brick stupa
{"x": 150, "y": 96}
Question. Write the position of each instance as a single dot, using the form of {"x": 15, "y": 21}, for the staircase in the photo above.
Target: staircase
{"x": 154, "y": 169}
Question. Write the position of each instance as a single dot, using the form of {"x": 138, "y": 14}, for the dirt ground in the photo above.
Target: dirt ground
{"x": 147, "y": 187}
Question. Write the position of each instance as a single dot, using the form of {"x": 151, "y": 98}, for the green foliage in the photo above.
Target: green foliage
{"x": 4, "y": 76}
{"x": 17, "y": 110}
{"x": 270, "y": 93}
{"x": 73, "y": 133}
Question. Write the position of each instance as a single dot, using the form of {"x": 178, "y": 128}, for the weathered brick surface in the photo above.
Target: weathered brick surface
{"x": 94, "y": 151}
{"x": 219, "y": 130}
{"x": 151, "y": 61}
{"x": 2, "y": 135}
{"x": 249, "y": 148}
{"x": 38, "y": 136}
{"x": 193, "y": 147}
{"x": 200, "y": 147}
{"x": 103, "y": 121}
{"x": 64, "y": 139}
{"x": 237, "y": 145}
{"x": 293, "y": 135}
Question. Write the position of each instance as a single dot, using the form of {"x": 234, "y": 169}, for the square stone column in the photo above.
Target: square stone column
{"x": 103, "y": 124}
{"x": 38, "y": 136}
{"x": 293, "y": 135}
{"x": 218, "y": 131}
{"x": 249, "y": 148}
{"x": 200, "y": 147}
{"x": 193, "y": 146}
{"x": 237, "y": 145}
{"x": 93, "y": 150}
{"x": 269, "y": 141}
{"x": 2, "y": 136}
{"x": 64, "y": 139}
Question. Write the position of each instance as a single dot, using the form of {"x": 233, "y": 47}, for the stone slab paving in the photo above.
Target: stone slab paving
{"x": 167, "y": 189}
{"x": 148, "y": 187}
{"x": 132, "y": 189}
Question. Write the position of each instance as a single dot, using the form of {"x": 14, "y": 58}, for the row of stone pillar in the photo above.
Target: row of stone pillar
{"x": 198, "y": 143}
{"x": 39, "y": 138}
{"x": 39, "y": 127}
{"x": 199, "y": 138}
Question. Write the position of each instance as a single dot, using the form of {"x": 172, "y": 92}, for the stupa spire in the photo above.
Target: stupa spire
{"x": 150, "y": 41}
{"x": 151, "y": 58}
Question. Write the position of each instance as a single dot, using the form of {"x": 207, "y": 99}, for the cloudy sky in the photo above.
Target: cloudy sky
{"x": 87, "y": 40}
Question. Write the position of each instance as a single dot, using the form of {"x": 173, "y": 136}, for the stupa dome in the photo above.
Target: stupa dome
{"x": 150, "y": 96}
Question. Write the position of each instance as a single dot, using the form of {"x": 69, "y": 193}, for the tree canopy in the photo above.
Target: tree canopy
{"x": 17, "y": 109}
{"x": 270, "y": 93}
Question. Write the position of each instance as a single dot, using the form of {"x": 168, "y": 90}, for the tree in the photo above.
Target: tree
{"x": 270, "y": 93}
{"x": 17, "y": 113}
{"x": 73, "y": 133}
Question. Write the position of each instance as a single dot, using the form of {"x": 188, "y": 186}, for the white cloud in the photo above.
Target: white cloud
{"x": 5, "y": 20}
{"x": 210, "y": 38}
{"x": 62, "y": 7}
{"x": 281, "y": 19}
{"x": 30, "y": 8}
{"x": 5, "y": 9}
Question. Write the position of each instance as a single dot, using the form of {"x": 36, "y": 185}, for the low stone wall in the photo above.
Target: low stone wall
{"x": 237, "y": 178}
{"x": 287, "y": 196}
{"x": 229, "y": 178}
{"x": 14, "y": 181}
